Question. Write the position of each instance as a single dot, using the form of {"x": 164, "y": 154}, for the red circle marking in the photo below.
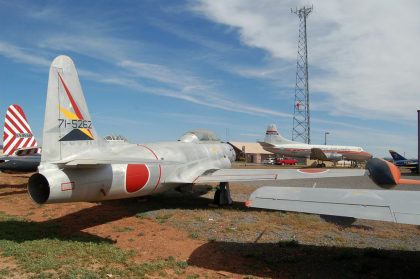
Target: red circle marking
{"x": 312, "y": 170}
{"x": 136, "y": 177}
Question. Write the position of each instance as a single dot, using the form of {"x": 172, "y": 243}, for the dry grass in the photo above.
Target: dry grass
{"x": 229, "y": 242}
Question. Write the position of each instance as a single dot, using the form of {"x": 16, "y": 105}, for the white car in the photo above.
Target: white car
{"x": 269, "y": 161}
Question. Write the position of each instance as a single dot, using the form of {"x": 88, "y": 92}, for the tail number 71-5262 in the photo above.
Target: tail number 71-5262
{"x": 75, "y": 123}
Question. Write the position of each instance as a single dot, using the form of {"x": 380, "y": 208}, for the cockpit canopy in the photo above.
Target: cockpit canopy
{"x": 199, "y": 135}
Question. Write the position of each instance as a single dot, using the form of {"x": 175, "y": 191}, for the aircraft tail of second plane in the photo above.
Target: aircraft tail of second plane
{"x": 17, "y": 134}
{"x": 272, "y": 136}
{"x": 396, "y": 156}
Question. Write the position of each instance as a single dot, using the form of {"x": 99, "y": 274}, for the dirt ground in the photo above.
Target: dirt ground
{"x": 231, "y": 242}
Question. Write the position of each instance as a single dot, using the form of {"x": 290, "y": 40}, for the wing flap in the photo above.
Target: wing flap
{"x": 106, "y": 161}
{"x": 237, "y": 175}
{"x": 382, "y": 205}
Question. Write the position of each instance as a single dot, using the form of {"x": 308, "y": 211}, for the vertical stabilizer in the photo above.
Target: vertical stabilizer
{"x": 68, "y": 128}
{"x": 396, "y": 156}
{"x": 272, "y": 136}
{"x": 17, "y": 133}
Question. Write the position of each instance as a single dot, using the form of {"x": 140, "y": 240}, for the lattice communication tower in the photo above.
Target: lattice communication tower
{"x": 301, "y": 118}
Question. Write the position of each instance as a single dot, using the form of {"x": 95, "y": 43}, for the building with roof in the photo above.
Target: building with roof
{"x": 252, "y": 151}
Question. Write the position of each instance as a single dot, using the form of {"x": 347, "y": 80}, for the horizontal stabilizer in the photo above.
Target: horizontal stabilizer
{"x": 382, "y": 205}
{"x": 236, "y": 175}
{"x": 27, "y": 151}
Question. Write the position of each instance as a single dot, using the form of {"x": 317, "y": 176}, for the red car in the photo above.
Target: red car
{"x": 286, "y": 161}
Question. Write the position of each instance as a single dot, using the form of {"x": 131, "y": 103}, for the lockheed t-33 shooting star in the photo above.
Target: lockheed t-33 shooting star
{"x": 78, "y": 165}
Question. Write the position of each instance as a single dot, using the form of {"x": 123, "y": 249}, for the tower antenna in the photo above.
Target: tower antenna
{"x": 301, "y": 116}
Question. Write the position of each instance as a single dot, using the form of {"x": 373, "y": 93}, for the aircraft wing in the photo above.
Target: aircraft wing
{"x": 268, "y": 146}
{"x": 383, "y": 205}
{"x": 86, "y": 162}
{"x": 237, "y": 175}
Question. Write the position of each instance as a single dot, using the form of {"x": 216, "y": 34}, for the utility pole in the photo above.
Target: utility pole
{"x": 418, "y": 140}
{"x": 325, "y": 137}
{"x": 301, "y": 117}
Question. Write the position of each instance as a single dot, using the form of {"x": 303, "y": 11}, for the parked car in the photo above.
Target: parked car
{"x": 269, "y": 161}
{"x": 286, "y": 161}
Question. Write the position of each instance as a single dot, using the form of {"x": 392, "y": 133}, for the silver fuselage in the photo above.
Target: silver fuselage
{"x": 176, "y": 163}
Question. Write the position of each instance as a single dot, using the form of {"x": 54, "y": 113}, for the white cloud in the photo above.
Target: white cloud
{"x": 192, "y": 37}
{"x": 205, "y": 97}
{"x": 363, "y": 54}
{"x": 160, "y": 73}
{"x": 191, "y": 90}
{"x": 21, "y": 55}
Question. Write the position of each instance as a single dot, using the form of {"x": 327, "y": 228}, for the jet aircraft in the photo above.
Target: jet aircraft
{"x": 401, "y": 161}
{"x": 20, "y": 148}
{"x": 275, "y": 143}
{"x": 78, "y": 165}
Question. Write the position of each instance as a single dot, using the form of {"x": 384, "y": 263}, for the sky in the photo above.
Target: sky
{"x": 152, "y": 70}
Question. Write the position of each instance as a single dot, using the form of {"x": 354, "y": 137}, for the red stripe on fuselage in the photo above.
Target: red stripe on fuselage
{"x": 311, "y": 170}
{"x": 329, "y": 151}
{"x": 296, "y": 149}
{"x": 160, "y": 168}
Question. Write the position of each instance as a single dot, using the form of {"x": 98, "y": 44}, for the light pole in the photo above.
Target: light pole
{"x": 325, "y": 137}
{"x": 418, "y": 139}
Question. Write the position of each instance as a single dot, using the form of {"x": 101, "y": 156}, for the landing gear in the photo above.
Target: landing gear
{"x": 320, "y": 165}
{"x": 222, "y": 195}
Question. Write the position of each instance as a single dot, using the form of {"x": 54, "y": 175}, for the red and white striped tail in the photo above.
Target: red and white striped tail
{"x": 17, "y": 133}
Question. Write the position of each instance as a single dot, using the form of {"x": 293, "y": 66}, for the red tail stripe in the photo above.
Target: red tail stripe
{"x": 32, "y": 142}
{"x": 15, "y": 127}
{"x": 19, "y": 112}
{"x": 5, "y": 146}
{"x": 7, "y": 128}
{"x": 73, "y": 103}
{"x": 15, "y": 146}
{"x": 23, "y": 143}
{"x": 20, "y": 116}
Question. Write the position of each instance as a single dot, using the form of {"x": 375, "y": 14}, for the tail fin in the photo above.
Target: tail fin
{"x": 68, "y": 128}
{"x": 396, "y": 156}
{"x": 17, "y": 134}
{"x": 272, "y": 136}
